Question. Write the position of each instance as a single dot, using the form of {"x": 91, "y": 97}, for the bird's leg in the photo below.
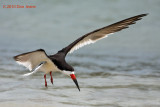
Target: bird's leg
{"x": 45, "y": 80}
{"x": 51, "y": 77}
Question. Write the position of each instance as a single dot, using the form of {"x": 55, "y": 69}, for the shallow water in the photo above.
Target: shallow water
{"x": 120, "y": 71}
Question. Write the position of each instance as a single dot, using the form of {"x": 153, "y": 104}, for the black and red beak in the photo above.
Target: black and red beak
{"x": 75, "y": 80}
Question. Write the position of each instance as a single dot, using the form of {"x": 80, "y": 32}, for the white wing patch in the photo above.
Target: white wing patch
{"x": 35, "y": 69}
{"x": 81, "y": 44}
{"x": 88, "y": 40}
{"x": 26, "y": 64}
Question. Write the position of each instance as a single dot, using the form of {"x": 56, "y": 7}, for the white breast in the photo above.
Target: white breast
{"x": 49, "y": 66}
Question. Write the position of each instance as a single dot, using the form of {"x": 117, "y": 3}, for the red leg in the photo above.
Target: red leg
{"x": 45, "y": 80}
{"x": 51, "y": 77}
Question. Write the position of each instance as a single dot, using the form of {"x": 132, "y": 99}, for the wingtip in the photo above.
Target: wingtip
{"x": 146, "y": 14}
{"x": 15, "y": 58}
{"x": 142, "y": 15}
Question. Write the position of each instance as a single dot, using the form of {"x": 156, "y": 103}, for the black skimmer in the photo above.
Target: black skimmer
{"x": 38, "y": 60}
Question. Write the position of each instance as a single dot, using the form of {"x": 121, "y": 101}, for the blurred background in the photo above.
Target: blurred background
{"x": 119, "y": 71}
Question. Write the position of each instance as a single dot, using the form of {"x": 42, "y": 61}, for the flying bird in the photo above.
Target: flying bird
{"x": 38, "y": 60}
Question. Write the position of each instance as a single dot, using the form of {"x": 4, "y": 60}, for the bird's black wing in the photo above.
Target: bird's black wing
{"x": 101, "y": 33}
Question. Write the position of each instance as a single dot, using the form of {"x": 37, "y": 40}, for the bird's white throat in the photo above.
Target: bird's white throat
{"x": 67, "y": 72}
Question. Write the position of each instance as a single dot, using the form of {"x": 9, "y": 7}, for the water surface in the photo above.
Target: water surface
{"x": 120, "y": 71}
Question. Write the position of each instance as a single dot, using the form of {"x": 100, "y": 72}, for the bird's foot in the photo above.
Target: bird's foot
{"x": 45, "y": 80}
{"x": 46, "y": 84}
{"x": 51, "y": 77}
{"x": 51, "y": 80}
